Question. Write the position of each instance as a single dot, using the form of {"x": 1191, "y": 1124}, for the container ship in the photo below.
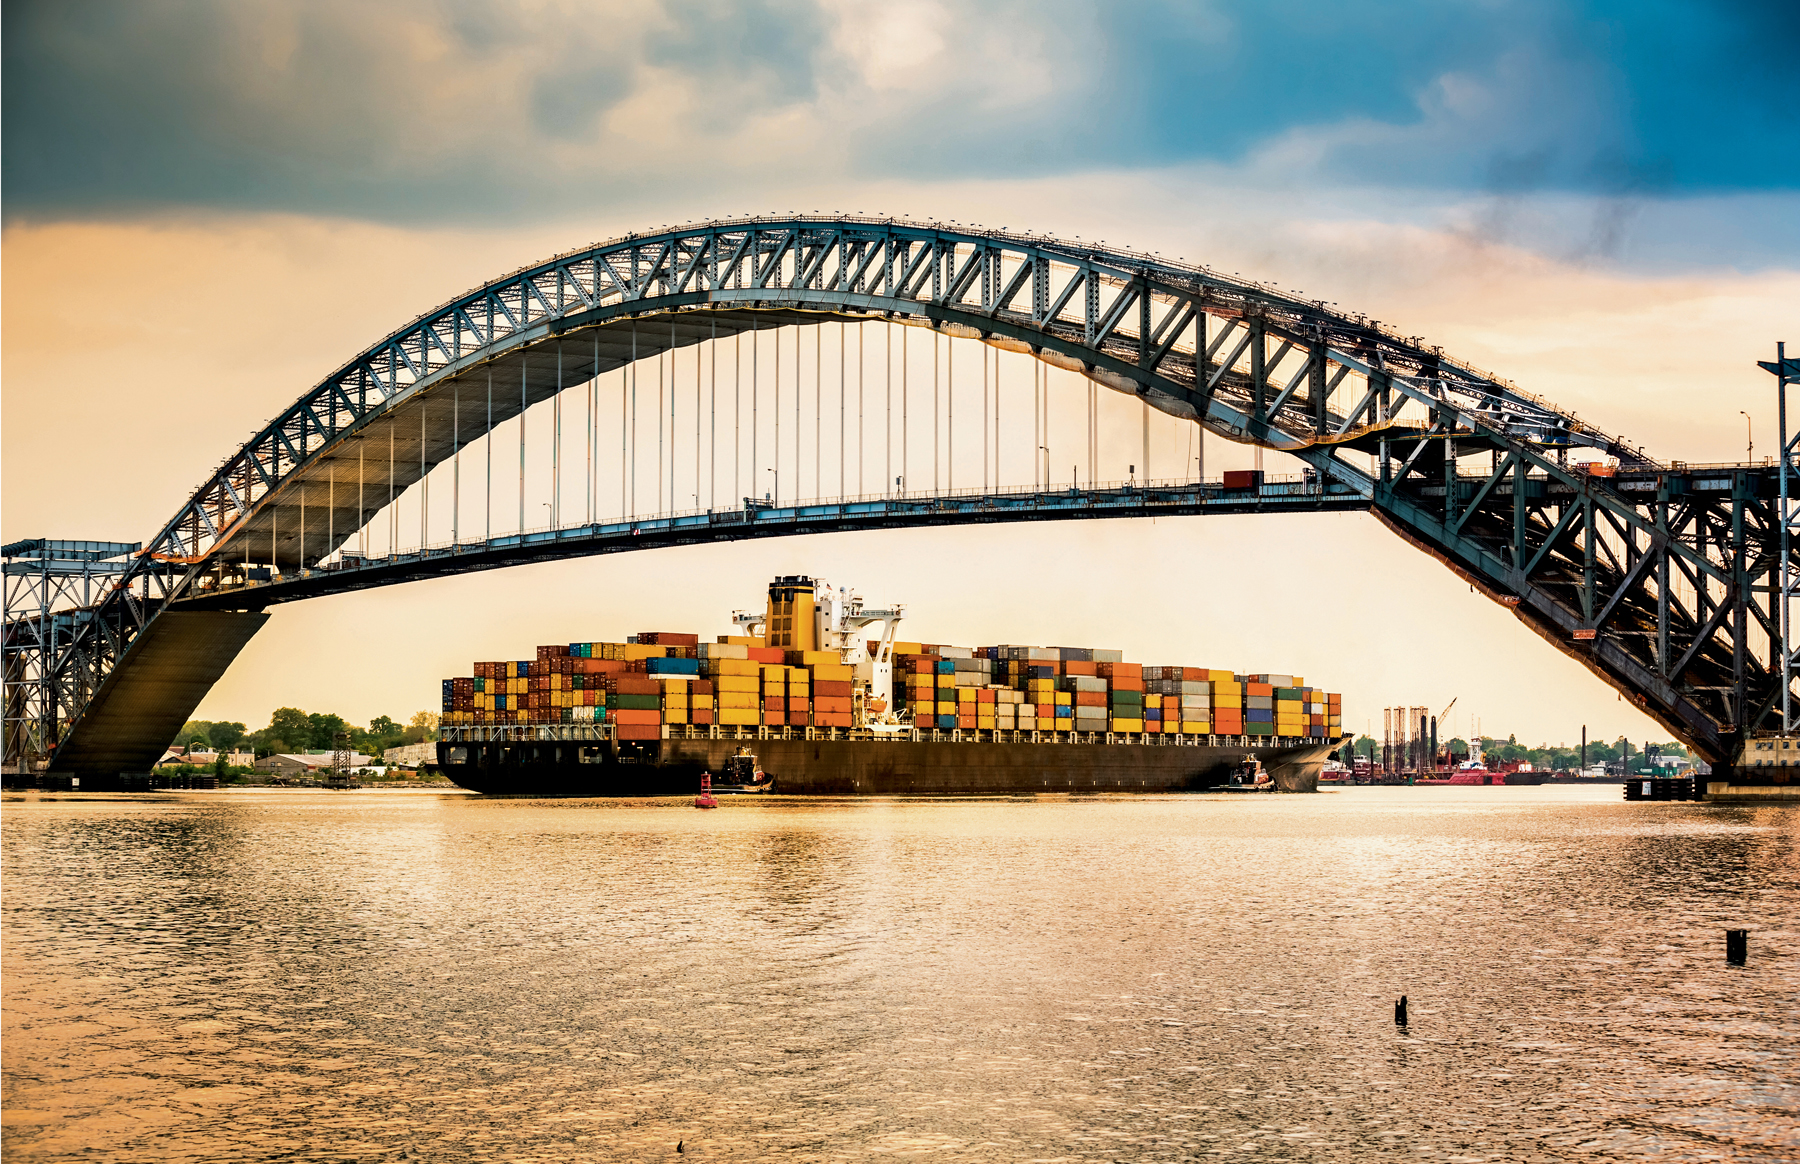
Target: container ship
{"x": 818, "y": 696}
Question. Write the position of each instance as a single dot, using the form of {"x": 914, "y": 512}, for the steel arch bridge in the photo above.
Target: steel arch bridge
{"x": 1665, "y": 579}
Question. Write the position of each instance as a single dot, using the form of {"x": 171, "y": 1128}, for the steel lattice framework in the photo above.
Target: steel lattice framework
{"x": 1661, "y": 577}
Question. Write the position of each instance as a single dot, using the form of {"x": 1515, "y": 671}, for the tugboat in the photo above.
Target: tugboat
{"x": 1250, "y": 776}
{"x": 742, "y": 776}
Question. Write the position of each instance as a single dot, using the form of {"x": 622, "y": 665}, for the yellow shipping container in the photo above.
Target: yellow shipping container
{"x": 835, "y": 671}
{"x": 966, "y": 695}
{"x": 744, "y": 683}
{"x": 737, "y": 700}
{"x": 946, "y": 708}
{"x": 1063, "y": 725}
{"x": 1127, "y": 725}
{"x": 739, "y": 716}
{"x": 721, "y": 667}
{"x": 675, "y": 715}
{"x": 946, "y": 680}
{"x": 673, "y": 699}
{"x": 984, "y": 723}
{"x": 924, "y": 707}
{"x": 909, "y": 648}
{"x": 1196, "y": 727}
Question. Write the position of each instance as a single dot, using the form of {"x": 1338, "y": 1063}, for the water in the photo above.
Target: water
{"x": 393, "y": 976}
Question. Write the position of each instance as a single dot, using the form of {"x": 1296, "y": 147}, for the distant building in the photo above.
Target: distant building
{"x": 411, "y": 755}
{"x": 305, "y": 763}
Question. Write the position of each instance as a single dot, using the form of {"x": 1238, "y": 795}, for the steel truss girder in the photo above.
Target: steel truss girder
{"x": 921, "y": 274}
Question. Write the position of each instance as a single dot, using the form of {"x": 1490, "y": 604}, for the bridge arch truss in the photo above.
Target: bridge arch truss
{"x": 1657, "y": 576}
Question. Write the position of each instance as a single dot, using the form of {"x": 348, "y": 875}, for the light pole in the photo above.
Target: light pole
{"x": 776, "y": 498}
{"x": 1749, "y": 437}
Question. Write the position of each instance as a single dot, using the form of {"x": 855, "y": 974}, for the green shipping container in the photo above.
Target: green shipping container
{"x": 634, "y": 702}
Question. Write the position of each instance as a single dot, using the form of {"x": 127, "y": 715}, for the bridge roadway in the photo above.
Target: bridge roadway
{"x": 1302, "y": 494}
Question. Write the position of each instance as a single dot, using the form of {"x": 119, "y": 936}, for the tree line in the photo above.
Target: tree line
{"x": 292, "y": 730}
{"x": 1544, "y": 757}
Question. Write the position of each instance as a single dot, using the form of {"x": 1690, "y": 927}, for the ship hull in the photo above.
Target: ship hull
{"x": 870, "y": 767}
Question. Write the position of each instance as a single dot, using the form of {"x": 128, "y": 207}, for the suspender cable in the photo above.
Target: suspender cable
{"x": 797, "y": 436}
{"x": 393, "y": 515}
{"x": 362, "y": 536}
{"x": 737, "y": 395}
{"x": 905, "y": 463}
{"x": 755, "y": 394}
{"x": 659, "y": 428}
{"x": 524, "y": 401}
{"x": 842, "y": 446}
{"x": 818, "y": 410}
{"x": 712, "y": 397}
{"x": 777, "y": 457}
{"x": 424, "y": 484}
{"x": 860, "y": 370}
{"x": 455, "y": 460}
{"x": 556, "y": 445}
{"x": 936, "y": 440}
{"x": 628, "y": 436}
{"x": 950, "y": 413}
{"x": 984, "y": 417}
{"x": 488, "y": 441}
{"x": 593, "y": 434}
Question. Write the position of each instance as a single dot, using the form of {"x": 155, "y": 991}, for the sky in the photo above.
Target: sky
{"x": 210, "y": 204}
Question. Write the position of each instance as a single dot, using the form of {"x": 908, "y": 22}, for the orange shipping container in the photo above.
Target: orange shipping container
{"x": 634, "y": 716}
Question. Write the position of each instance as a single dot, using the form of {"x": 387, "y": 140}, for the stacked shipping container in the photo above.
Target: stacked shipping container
{"x": 659, "y": 678}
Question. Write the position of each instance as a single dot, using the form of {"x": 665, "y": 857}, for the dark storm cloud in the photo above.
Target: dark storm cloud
{"x": 446, "y": 109}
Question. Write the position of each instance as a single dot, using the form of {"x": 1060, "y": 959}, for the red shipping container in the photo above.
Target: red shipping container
{"x": 1120, "y": 670}
{"x": 667, "y": 639}
{"x": 965, "y": 721}
{"x": 701, "y": 715}
{"x": 832, "y": 687}
{"x": 1243, "y": 478}
{"x": 636, "y": 731}
{"x": 796, "y": 718}
{"x": 1090, "y": 699}
{"x": 700, "y": 687}
{"x": 766, "y": 654}
{"x": 1078, "y": 667}
{"x": 1126, "y": 684}
{"x": 831, "y": 719}
{"x": 832, "y": 703}
{"x": 632, "y": 685}
{"x": 775, "y": 703}
{"x": 634, "y": 715}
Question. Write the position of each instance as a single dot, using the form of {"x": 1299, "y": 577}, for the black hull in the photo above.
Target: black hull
{"x": 865, "y": 767}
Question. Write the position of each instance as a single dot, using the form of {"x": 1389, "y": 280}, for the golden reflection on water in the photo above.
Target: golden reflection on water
{"x": 392, "y": 976}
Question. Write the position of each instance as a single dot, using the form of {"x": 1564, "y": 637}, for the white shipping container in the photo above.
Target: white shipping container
{"x": 955, "y": 653}
{"x": 1101, "y": 656}
{"x": 723, "y": 651}
{"x": 1083, "y": 683}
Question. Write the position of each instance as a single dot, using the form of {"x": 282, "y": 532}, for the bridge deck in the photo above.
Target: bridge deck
{"x": 760, "y": 520}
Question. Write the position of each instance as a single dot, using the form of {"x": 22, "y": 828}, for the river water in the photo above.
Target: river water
{"x": 411, "y": 976}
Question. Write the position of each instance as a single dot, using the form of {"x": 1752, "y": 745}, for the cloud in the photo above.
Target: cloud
{"x": 455, "y": 111}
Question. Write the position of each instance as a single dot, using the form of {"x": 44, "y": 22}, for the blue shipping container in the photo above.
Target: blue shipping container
{"x": 666, "y": 666}
{"x": 946, "y": 666}
{"x": 1258, "y": 715}
{"x": 946, "y": 722}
